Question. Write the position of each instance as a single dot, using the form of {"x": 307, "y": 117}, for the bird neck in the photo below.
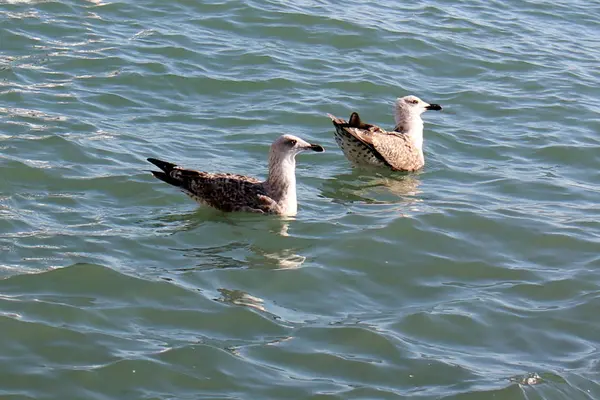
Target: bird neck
{"x": 281, "y": 182}
{"x": 410, "y": 125}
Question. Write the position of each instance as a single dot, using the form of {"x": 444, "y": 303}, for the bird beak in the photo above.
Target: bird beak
{"x": 315, "y": 147}
{"x": 435, "y": 107}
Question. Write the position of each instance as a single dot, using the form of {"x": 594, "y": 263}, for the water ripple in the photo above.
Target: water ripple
{"x": 474, "y": 278}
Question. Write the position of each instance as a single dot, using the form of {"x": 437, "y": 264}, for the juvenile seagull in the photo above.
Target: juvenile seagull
{"x": 230, "y": 192}
{"x": 400, "y": 150}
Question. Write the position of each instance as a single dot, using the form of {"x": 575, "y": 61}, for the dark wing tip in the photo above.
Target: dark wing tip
{"x": 163, "y": 165}
{"x": 153, "y": 160}
{"x": 166, "y": 178}
{"x": 354, "y": 120}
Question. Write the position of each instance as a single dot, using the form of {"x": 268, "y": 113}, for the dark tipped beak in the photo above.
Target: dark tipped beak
{"x": 317, "y": 148}
{"x": 435, "y": 107}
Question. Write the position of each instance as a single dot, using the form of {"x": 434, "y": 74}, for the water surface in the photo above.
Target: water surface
{"x": 457, "y": 282}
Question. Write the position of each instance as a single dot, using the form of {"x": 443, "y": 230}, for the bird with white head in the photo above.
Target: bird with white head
{"x": 400, "y": 149}
{"x": 231, "y": 192}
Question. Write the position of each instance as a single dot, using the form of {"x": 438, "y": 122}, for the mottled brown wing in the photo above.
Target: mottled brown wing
{"x": 393, "y": 149}
{"x": 363, "y": 135}
{"x": 226, "y": 192}
{"x": 355, "y": 140}
{"x": 397, "y": 151}
{"x": 356, "y": 128}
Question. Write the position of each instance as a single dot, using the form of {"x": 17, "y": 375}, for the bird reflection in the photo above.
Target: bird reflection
{"x": 241, "y": 298}
{"x": 264, "y": 243}
{"x": 377, "y": 188}
{"x": 286, "y": 259}
{"x": 182, "y": 222}
{"x": 241, "y": 255}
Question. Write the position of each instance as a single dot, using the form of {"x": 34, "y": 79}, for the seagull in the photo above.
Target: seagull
{"x": 400, "y": 149}
{"x": 231, "y": 192}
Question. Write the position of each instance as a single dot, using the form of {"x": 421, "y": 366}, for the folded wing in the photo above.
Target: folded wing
{"x": 226, "y": 192}
{"x": 365, "y": 143}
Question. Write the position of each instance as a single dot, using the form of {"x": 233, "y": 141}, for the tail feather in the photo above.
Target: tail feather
{"x": 336, "y": 121}
{"x": 163, "y": 165}
{"x": 353, "y": 122}
{"x": 165, "y": 176}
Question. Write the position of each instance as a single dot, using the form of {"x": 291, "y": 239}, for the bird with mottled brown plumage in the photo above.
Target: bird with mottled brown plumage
{"x": 231, "y": 192}
{"x": 400, "y": 149}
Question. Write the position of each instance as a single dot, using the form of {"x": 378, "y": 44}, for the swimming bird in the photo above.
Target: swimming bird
{"x": 400, "y": 149}
{"x": 231, "y": 192}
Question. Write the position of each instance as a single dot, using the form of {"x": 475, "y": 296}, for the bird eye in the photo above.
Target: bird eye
{"x": 293, "y": 142}
{"x": 415, "y": 101}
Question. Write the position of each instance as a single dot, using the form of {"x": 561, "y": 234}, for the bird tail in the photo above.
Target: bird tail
{"x": 336, "y": 121}
{"x": 165, "y": 175}
{"x": 353, "y": 122}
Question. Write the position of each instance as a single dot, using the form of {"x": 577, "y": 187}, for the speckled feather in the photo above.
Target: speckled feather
{"x": 223, "y": 191}
{"x": 230, "y": 192}
{"x": 369, "y": 144}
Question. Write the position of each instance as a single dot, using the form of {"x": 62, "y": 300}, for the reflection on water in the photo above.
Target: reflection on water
{"x": 180, "y": 222}
{"x": 272, "y": 253}
{"x": 241, "y": 298}
{"x": 385, "y": 187}
{"x": 241, "y": 255}
{"x": 284, "y": 226}
{"x": 286, "y": 259}
{"x": 532, "y": 378}
{"x": 216, "y": 257}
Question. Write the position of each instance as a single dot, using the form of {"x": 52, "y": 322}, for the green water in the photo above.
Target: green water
{"x": 457, "y": 282}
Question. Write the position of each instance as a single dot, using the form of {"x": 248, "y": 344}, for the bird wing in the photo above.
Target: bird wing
{"x": 393, "y": 148}
{"x": 357, "y": 130}
{"x": 225, "y": 192}
{"x": 398, "y": 151}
